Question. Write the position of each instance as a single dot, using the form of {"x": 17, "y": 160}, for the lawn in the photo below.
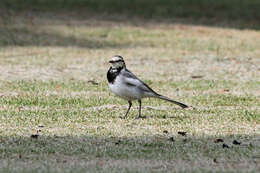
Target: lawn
{"x": 57, "y": 113}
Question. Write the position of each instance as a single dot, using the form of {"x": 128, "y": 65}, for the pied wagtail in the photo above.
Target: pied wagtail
{"x": 126, "y": 85}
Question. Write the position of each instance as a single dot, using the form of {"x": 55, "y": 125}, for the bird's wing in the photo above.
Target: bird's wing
{"x": 132, "y": 80}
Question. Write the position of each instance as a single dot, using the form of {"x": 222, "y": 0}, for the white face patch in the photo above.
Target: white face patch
{"x": 114, "y": 70}
{"x": 116, "y": 58}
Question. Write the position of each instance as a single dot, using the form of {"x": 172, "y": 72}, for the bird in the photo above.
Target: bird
{"x": 126, "y": 85}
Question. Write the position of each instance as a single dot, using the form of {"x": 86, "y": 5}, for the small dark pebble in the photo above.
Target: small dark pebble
{"x": 34, "y": 136}
{"x": 196, "y": 76}
{"x": 165, "y": 131}
{"x": 171, "y": 139}
{"x": 118, "y": 142}
{"x": 219, "y": 140}
{"x": 235, "y": 142}
{"x": 182, "y": 133}
{"x": 215, "y": 160}
{"x": 225, "y": 146}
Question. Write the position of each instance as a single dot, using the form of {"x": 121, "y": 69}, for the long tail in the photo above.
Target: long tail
{"x": 172, "y": 101}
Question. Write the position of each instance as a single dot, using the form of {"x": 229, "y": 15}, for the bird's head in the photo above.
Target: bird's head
{"x": 117, "y": 61}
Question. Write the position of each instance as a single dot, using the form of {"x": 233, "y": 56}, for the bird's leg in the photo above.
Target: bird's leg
{"x": 130, "y": 104}
{"x": 140, "y": 107}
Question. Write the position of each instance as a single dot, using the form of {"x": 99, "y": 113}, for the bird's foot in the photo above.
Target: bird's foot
{"x": 141, "y": 117}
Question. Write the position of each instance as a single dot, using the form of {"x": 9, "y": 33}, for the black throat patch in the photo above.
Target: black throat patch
{"x": 112, "y": 74}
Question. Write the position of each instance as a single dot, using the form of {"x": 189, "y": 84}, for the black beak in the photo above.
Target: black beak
{"x": 110, "y": 61}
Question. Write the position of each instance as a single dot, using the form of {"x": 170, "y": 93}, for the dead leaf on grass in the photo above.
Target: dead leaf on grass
{"x": 92, "y": 82}
{"x": 218, "y": 140}
{"x": 190, "y": 108}
{"x": 224, "y": 90}
{"x": 171, "y": 139}
{"x": 225, "y": 146}
{"x": 165, "y": 131}
{"x": 20, "y": 108}
{"x": 118, "y": 142}
{"x": 59, "y": 88}
{"x": 197, "y": 76}
{"x": 235, "y": 142}
{"x": 34, "y": 136}
{"x": 182, "y": 133}
{"x": 215, "y": 160}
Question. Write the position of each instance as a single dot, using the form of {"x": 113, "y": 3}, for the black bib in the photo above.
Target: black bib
{"x": 112, "y": 74}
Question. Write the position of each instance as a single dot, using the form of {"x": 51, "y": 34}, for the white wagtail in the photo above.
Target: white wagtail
{"x": 126, "y": 85}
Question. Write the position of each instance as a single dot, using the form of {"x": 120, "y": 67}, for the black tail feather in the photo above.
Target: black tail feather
{"x": 172, "y": 101}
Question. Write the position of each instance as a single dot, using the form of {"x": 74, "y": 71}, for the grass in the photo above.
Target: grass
{"x": 58, "y": 115}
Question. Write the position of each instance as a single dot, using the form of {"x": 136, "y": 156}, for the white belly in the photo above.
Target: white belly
{"x": 126, "y": 92}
